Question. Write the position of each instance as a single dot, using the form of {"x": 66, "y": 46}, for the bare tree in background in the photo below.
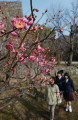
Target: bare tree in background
{"x": 66, "y": 45}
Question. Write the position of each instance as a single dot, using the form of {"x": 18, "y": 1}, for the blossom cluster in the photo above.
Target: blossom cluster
{"x": 2, "y": 27}
{"x": 23, "y": 23}
{"x": 37, "y": 58}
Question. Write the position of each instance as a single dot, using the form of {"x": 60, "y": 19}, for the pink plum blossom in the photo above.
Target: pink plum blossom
{"x": 37, "y": 10}
{"x": 41, "y": 63}
{"x": 30, "y": 18}
{"x": 32, "y": 58}
{"x": 22, "y": 47}
{"x": 10, "y": 46}
{"x": 2, "y": 31}
{"x": 37, "y": 59}
{"x": 24, "y": 60}
{"x": 41, "y": 28}
{"x": 13, "y": 50}
{"x": 30, "y": 22}
{"x": 61, "y": 30}
{"x": 14, "y": 34}
{"x": 16, "y": 51}
{"x": 13, "y": 20}
{"x": 52, "y": 59}
{"x": 36, "y": 51}
{"x": 19, "y": 23}
{"x": 20, "y": 55}
{"x": 35, "y": 27}
{"x": 43, "y": 84}
{"x": 38, "y": 79}
{"x": 1, "y": 25}
{"x": 39, "y": 48}
{"x": 45, "y": 70}
{"x": 21, "y": 59}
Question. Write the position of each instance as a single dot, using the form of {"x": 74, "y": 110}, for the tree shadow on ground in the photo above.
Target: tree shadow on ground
{"x": 34, "y": 108}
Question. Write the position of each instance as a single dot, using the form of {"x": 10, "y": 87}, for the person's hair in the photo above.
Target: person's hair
{"x": 52, "y": 78}
{"x": 59, "y": 72}
{"x": 62, "y": 71}
{"x": 67, "y": 74}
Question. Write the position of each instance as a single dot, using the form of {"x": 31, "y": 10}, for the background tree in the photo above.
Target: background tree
{"x": 66, "y": 24}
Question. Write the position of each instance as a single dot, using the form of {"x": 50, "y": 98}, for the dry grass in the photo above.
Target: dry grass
{"x": 35, "y": 108}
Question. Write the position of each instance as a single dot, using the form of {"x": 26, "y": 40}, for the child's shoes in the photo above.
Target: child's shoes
{"x": 67, "y": 108}
{"x": 70, "y": 108}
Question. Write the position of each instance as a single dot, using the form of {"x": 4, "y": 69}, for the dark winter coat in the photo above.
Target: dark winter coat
{"x": 59, "y": 82}
{"x": 68, "y": 86}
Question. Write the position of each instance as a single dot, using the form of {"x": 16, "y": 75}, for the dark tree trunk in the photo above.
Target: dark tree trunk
{"x": 70, "y": 58}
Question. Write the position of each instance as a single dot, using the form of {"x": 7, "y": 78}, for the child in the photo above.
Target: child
{"x": 60, "y": 79}
{"x": 52, "y": 95}
{"x": 68, "y": 88}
